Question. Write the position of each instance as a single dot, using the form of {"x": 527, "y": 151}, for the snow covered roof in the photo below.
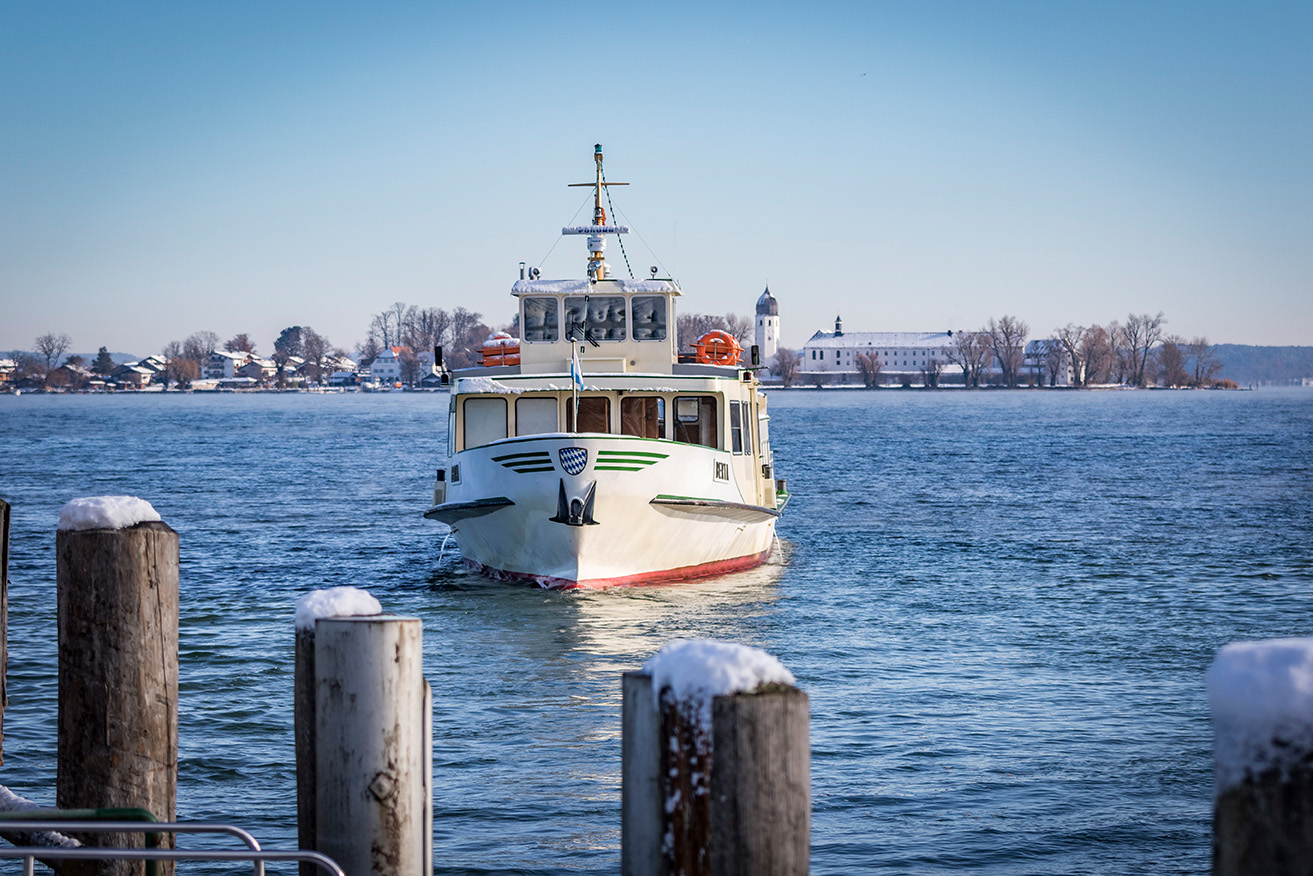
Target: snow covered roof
{"x": 767, "y": 305}
{"x": 926, "y": 340}
{"x": 584, "y": 287}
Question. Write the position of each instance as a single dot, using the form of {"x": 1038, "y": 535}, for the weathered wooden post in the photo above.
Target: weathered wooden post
{"x": 1261, "y": 697}
{"x": 117, "y": 581}
{"x": 329, "y": 602}
{"x": 717, "y": 765}
{"x": 4, "y": 620}
{"x": 372, "y": 787}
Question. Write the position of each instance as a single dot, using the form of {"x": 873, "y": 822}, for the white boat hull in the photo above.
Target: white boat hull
{"x": 658, "y": 511}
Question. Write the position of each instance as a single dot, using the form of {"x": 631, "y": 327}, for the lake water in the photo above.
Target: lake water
{"x": 1001, "y": 605}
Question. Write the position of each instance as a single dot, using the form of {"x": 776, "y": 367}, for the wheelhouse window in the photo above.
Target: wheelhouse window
{"x": 649, "y": 317}
{"x": 485, "y": 421}
{"x": 542, "y": 320}
{"x": 594, "y": 415}
{"x": 643, "y": 416}
{"x": 735, "y": 427}
{"x": 595, "y": 318}
{"x": 695, "y": 420}
{"x": 535, "y": 416}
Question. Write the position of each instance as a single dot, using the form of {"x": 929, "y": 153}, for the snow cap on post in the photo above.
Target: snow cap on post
{"x": 334, "y": 602}
{"x": 698, "y": 670}
{"x": 106, "y": 512}
{"x": 1261, "y": 698}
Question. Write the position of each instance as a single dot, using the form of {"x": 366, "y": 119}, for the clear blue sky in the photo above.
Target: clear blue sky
{"x": 240, "y": 167}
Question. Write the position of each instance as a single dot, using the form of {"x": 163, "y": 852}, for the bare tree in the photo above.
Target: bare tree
{"x": 240, "y": 344}
{"x": 869, "y": 367}
{"x": 315, "y": 348}
{"x": 51, "y": 347}
{"x": 1097, "y": 355}
{"x": 183, "y": 371}
{"x": 970, "y": 351}
{"x": 740, "y": 328}
{"x": 1171, "y": 362}
{"x": 691, "y": 326}
{"x": 1055, "y": 359}
{"x": 1007, "y": 339}
{"x": 198, "y": 347}
{"x": 429, "y": 328}
{"x": 786, "y": 365}
{"x": 1141, "y": 334}
{"x": 931, "y": 371}
{"x": 1203, "y": 357}
{"x": 368, "y": 351}
{"x": 1072, "y": 338}
{"x": 409, "y": 363}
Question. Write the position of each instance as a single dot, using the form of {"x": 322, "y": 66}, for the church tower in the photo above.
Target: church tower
{"x": 768, "y": 326}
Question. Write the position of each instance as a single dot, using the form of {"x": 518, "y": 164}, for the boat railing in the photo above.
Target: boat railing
{"x": 41, "y": 821}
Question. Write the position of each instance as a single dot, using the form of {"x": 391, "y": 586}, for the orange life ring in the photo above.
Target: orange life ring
{"x": 718, "y": 347}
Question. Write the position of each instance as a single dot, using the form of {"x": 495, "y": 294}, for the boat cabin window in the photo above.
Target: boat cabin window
{"x": 541, "y": 320}
{"x": 644, "y": 416}
{"x": 485, "y": 421}
{"x": 594, "y": 415}
{"x": 535, "y": 416}
{"x": 735, "y": 427}
{"x": 649, "y": 317}
{"x": 695, "y": 420}
{"x": 595, "y": 318}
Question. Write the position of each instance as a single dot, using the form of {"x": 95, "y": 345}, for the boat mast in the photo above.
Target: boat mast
{"x": 599, "y": 228}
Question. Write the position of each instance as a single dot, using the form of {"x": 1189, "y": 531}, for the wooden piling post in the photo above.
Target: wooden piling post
{"x": 303, "y": 732}
{"x": 372, "y": 794}
{"x": 4, "y": 621}
{"x": 717, "y": 784}
{"x": 640, "y": 779}
{"x": 328, "y": 602}
{"x": 761, "y": 783}
{"x": 1261, "y": 697}
{"x": 118, "y": 676}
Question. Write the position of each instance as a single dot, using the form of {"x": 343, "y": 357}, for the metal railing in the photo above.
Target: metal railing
{"x": 47, "y": 821}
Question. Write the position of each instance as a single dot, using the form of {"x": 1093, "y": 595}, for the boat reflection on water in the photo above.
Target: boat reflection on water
{"x": 538, "y": 673}
{"x": 616, "y": 629}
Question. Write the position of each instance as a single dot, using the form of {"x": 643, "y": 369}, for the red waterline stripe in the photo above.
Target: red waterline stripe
{"x": 703, "y": 570}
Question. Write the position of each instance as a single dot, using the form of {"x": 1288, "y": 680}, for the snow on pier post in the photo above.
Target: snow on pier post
{"x": 329, "y": 602}
{"x": 1261, "y": 697}
{"x": 117, "y": 582}
{"x": 373, "y": 800}
{"x": 716, "y": 765}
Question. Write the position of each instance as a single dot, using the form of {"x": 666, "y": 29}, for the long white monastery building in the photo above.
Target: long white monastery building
{"x": 900, "y": 353}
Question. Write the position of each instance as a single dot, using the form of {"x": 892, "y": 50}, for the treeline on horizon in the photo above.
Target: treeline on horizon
{"x": 1137, "y": 352}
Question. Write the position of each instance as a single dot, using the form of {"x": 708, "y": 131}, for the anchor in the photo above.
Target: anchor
{"x": 575, "y": 512}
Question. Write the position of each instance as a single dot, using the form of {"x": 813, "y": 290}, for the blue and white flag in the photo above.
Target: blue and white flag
{"x": 576, "y": 371}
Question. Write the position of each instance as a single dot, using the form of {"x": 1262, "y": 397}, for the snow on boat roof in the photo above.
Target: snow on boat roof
{"x": 470, "y": 385}
{"x": 584, "y": 287}
{"x": 698, "y": 670}
{"x": 334, "y": 602}
{"x": 105, "y": 512}
{"x": 1261, "y": 698}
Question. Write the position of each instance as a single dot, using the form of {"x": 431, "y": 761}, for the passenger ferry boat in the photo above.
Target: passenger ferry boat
{"x": 587, "y": 454}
